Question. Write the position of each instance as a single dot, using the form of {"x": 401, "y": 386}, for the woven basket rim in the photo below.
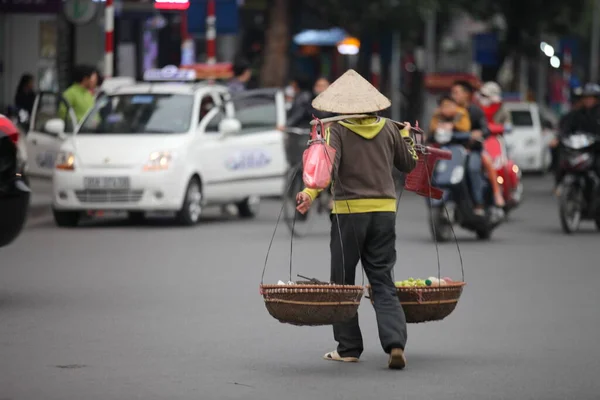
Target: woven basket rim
{"x": 315, "y": 286}
{"x": 452, "y": 285}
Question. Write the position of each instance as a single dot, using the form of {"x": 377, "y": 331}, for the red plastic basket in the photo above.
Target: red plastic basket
{"x": 419, "y": 180}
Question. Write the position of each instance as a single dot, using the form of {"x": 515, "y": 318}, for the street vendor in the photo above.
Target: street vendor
{"x": 363, "y": 226}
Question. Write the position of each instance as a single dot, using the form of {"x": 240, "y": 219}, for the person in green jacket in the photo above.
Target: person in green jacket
{"x": 80, "y": 94}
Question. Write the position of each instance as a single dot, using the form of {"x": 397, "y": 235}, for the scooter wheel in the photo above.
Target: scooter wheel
{"x": 484, "y": 234}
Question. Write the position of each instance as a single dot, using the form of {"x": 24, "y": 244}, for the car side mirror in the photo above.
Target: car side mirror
{"x": 55, "y": 126}
{"x": 546, "y": 124}
{"x": 230, "y": 126}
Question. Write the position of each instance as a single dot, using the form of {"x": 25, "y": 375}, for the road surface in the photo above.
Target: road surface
{"x": 115, "y": 311}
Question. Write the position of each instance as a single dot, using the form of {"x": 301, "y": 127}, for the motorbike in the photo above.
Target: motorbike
{"x": 456, "y": 205}
{"x": 509, "y": 174}
{"x": 579, "y": 189}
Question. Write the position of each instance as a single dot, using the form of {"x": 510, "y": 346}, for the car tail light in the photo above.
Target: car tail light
{"x": 9, "y": 129}
{"x": 14, "y": 136}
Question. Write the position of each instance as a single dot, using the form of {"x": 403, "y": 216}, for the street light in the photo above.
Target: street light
{"x": 555, "y": 62}
{"x": 349, "y": 46}
{"x": 547, "y": 49}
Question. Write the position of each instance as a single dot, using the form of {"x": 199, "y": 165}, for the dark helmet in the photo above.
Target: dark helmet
{"x": 590, "y": 90}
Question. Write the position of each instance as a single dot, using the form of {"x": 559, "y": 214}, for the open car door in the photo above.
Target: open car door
{"x": 43, "y": 143}
{"x": 251, "y": 161}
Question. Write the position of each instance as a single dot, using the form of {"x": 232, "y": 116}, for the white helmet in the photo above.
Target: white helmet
{"x": 491, "y": 91}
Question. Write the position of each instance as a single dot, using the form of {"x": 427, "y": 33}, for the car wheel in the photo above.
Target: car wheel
{"x": 249, "y": 207}
{"x": 66, "y": 219}
{"x": 190, "y": 211}
{"x": 136, "y": 217}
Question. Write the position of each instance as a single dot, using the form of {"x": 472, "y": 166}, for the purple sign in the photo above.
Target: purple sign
{"x": 30, "y": 6}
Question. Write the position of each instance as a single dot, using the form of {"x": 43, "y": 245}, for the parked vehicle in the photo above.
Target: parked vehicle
{"x": 14, "y": 193}
{"x": 509, "y": 174}
{"x": 456, "y": 205}
{"x": 579, "y": 190}
{"x": 162, "y": 146}
{"x": 528, "y": 143}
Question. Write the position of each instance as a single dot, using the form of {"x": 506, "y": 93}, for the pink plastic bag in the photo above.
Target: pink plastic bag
{"x": 318, "y": 160}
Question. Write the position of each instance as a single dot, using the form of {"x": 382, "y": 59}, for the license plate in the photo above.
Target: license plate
{"x": 120, "y": 182}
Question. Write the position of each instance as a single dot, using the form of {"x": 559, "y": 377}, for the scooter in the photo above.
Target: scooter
{"x": 579, "y": 189}
{"x": 456, "y": 205}
{"x": 509, "y": 174}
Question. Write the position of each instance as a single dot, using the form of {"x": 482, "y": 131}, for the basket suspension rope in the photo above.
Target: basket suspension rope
{"x": 275, "y": 230}
{"x": 425, "y": 155}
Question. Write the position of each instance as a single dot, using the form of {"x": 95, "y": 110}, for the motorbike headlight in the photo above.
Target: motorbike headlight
{"x": 442, "y": 136}
{"x": 65, "y": 161}
{"x": 457, "y": 174}
{"x": 158, "y": 160}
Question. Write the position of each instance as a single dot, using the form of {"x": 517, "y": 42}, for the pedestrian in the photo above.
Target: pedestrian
{"x": 364, "y": 214}
{"x": 300, "y": 111}
{"x": 79, "y": 94}
{"x": 320, "y": 85}
{"x": 25, "y": 95}
{"x": 241, "y": 75}
{"x": 290, "y": 93}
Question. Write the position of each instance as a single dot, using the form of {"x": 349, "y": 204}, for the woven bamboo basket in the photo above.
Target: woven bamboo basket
{"x": 427, "y": 303}
{"x": 310, "y": 304}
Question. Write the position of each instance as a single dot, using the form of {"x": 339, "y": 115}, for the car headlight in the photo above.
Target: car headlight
{"x": 65, "y": 161}
{"x": 158, "y": 160}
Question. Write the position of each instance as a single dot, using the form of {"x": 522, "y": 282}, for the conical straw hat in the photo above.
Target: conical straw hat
{"x": 351, "y": 94}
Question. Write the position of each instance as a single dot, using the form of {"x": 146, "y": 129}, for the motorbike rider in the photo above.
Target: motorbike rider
{"x": 586, "y": 118}
{"x": 489, "y": 99}
{"x": 449, "y": 117}
{"x": 463, "y": 92}
{"x": 576, "y": 104}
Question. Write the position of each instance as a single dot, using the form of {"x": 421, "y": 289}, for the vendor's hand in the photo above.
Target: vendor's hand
{"x": 477, "y": 135}
{"x": 304, "y": 202}
{"x": 407, "y": 125}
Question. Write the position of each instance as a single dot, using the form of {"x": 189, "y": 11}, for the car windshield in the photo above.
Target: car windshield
{"x": 140, "y": 114}
{"x": 521, "y": 118}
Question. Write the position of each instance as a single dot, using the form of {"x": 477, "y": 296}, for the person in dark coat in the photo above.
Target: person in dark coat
{"x": 25, "y": 96}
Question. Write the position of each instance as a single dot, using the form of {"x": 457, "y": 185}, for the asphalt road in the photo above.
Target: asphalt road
{"x": 114, "y": 311}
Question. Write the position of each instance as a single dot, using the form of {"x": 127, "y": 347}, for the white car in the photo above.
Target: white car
{"x": 168, "y": 147}
{"x": 528, "y": 141}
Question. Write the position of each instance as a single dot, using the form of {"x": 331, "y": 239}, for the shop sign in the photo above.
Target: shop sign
{"x": 444, "y": 81}
{"x": 171, "y": 4}
{"x": 30, "y": 6}
{"x": 79, "y": 11}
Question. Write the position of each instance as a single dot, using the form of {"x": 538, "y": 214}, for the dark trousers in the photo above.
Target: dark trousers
{"x": 371, "y": 239}
{"x": 474, "y": 170}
